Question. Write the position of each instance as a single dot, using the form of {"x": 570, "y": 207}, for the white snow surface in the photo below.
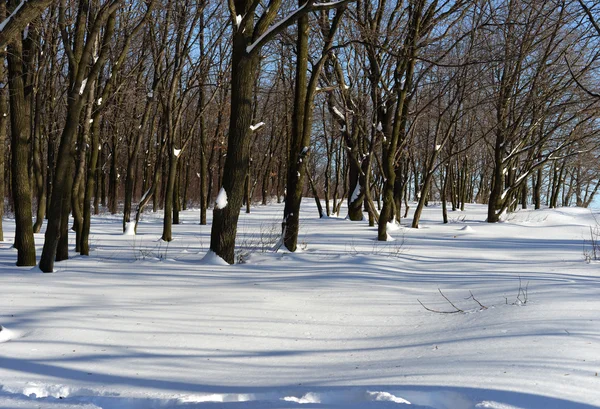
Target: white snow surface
{"x": 6, "y": 334}
{"x": 142, "y": 325}
{"x": 129, "y": 229}
{"x": 221, "y": 201}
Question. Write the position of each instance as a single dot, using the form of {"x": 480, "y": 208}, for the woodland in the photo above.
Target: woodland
{"x": 126, "y": 107}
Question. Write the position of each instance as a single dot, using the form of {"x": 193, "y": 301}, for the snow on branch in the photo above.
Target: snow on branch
{"x": 12, "y": 15}
{"x": 22, "y": 15}
{"x": 256, "y": 127}
{"x": 339, "y": 114}
{"x": 278, "y": 27}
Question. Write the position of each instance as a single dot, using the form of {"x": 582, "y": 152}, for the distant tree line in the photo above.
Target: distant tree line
{"x": 121, "y": 106}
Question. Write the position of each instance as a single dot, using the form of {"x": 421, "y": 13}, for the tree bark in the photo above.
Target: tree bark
{"x": 243, "y": 72}
{"x": 20, "y": 148}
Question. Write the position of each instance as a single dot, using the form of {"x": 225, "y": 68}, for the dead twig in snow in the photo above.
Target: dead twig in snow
{"x": 456, "y": 309}
{"x": 522, "y": 292}
{"x": 472, "y": 297}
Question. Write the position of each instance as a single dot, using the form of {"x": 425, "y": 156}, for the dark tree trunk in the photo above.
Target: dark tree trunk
{"x": 113, "y": 181}
{"x": 224, "y": 226}
{"x": 443, "y": 195}
{"x": 496, "y": 199}
{"x": 61, "y": 192}
{"x": 56, "y": 238}
{"x": 20, "y": 148}
{"x": 3, "y": 125}
{"x": 537, "y": 189}
{"x": 90, "y": 186}
{"x": 177, "y": 193}
{"x": 38, "y": 170}
{"x": 203, "y": 169}
{"x": 79, "y": 185}
{"x": 297, "y": 153}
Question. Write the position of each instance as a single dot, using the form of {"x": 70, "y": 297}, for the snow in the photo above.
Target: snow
{"x": 355, "y": 193}
{"x": 212, "y": 259}
{"x": 176, "y": 152}
{"x": 221, "y": 201}
{"x": 129, "y": 229}
{"x": 338, "y": 113}
{"x": 83, "y": 84}
{"x": 257, "y": 126}
{"x": 393, "y": 225}
{"x": 274, "y": 27}
{"x": 14, "y": 13}
{"x": 146, "y": 324}
{"x": 6, "y": 334}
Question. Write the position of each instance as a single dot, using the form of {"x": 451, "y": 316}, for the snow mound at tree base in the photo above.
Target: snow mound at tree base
{"x": 6, "y": 334}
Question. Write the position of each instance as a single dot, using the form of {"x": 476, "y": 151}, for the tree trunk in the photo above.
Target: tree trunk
{"x": 177, "y": 193}
{"x": 113, "y": 176}
{"x": 61, "y": 192}
{"x": 38, "y": 170}
{"x": 443, "y": 195}
{"x": 90, "y": 186}
{"x": 3, "y": 125}
{"x": 243, "y": 72}
{"x": 167, "y": 234}
{"x": 297, "y": 153}
{"x": 203, "y": 167}
{"x": 20, "y": 148}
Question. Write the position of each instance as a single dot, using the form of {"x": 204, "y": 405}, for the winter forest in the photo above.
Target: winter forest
{"x": 283, "y": 145}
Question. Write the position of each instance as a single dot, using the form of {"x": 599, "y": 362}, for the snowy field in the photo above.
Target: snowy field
{"x": 141, "y": 324}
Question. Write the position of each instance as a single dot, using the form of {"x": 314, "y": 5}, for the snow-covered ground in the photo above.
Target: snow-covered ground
{"x": 144, "y": 324}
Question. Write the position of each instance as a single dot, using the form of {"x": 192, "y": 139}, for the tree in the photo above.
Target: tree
{"x": 20, "y": 15}
{"x": 19, "y": 55}
{"x": 79, "y": 46}
{"x": 249, "y": 36}
{"x": 302, "y": 118}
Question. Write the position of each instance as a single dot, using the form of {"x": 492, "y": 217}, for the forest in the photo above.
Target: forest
{"x": 130, "y": 106}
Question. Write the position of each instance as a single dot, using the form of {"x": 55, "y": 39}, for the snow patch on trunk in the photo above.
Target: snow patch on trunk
{"x": 356, "y": 193}
{"x": 257, "y": 126}
{"x": 221, "y": 202}
{"x": 394, "y": 225}
{"x": 129, "y": 229}
{"x": 83, "y": 84}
